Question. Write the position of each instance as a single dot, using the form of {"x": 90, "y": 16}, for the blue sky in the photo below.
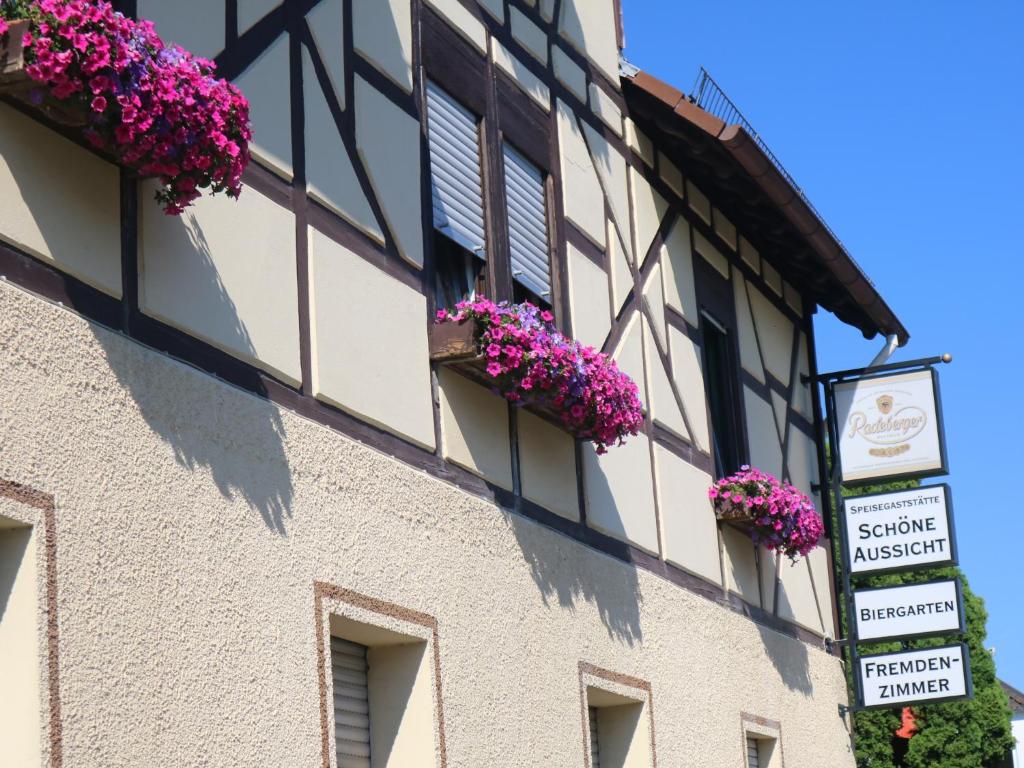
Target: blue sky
{"x": 899, "y": 120}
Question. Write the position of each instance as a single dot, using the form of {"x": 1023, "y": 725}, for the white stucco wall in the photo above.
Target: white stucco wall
{"x": 192, "y": 520}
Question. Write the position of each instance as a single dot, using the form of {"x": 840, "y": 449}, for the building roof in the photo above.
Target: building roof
{"x": 730, "y": 164}
{"x": 1016, "y": 697}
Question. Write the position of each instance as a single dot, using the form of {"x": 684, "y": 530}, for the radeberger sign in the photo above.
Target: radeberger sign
{"x": 914, "y": 610}
{"x": 899, "y": 530}
{"x": 915, "y": 677}
{"x": 889, "y": 427}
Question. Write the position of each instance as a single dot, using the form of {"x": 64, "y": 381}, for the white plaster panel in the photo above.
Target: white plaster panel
{"x": 589, "y": 25}
{"x": 611, "y": 169}
{"x": 820, "y": 578}
{"x": 797, "y": 601}
{"x": 389, "y": 145}
{"x": 763, "y": 439}
{"x": 619, "y": 490}
{"x": 698, "y": 201}
{"x": 724, "y": 228}
{"x": 569, "y": 73}
{"x": 775, "y": 333}
{"x": 494, "y": 7}
{"x": 779, "y": 409}
{"x": 663, "y": 404}
{"x": 671, "y": 174}
{"x": 639, "y": 143}
{"x": 547, "y": 9}
{"x": 327, "y": 25}
{"x": 251, "y": 11}
{"x": 379, "y": 369}
{"x": 750, "y": 355}
{"x": 246, "y": 504}
{"x": 802, "y": 461}
{"x": 464, "y": 22}
{"x": 588, "y": 296}
{"x": 649, "y": 208}
{"x": 474, "y": 424}
{"x": 529, "y": 35}
{"x": 802, "y": 398}
{"x": 629, "y": 354}
{"x": 606, "y": 109}
{"x": 740, "y": 564}
{"x": 622, "y": 275}
{"x": 687, "y": 519}
{"x": 196, "y": 25}
{"x": 547, "y": 465}
{"x": 225, "y": 271}
{"x": 382, "y": 34}
{"x": 267, "y": 86}
{"x": 689, "y": 378}
{"x": 531, "y": 85}
{"x": 677, "y": 260}
{"x": 60, "y": 203}
{"x": 330, "y": 174}
{"x": 581, "y": 190}
{"x": 793, "y": 299}
{"x": 711, "y": 255}
{"x": 654, "y": 294}
{"x": 771, "y": 277}
{"x": 750, "y": 255}
{"x": 768, "y": 565}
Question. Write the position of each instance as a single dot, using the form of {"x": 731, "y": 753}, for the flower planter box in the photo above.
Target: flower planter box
{"x": 16, "y": 84}
{"x": 742, "y": 519}
{"x": 453, "y": 342}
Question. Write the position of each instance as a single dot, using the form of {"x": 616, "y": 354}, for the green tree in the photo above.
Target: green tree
{"x": 961, "y": 734}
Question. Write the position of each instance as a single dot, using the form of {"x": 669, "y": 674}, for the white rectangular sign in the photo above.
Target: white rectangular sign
{"x": 903, "y": 529}
{"x": 889, "y": 427}
{"x": 914, "y": 677}
{"x": 915, "y": 610}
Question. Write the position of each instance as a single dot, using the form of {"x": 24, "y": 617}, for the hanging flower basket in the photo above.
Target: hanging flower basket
{"x": 154, "y": 109}
{"x": 518, "y": 352}
{"x": 775, "y": 514}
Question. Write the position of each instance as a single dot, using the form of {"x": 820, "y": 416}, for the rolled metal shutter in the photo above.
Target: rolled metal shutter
{"x": 595, "y": 747}
{"x": 455, "y": 176}
{"x": 527, "y": 223}
{"x": 753, "y": 754}
{"x": 351, "y": 704}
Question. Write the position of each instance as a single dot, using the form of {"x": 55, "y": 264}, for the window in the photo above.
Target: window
{"x": 722, "y": 379}
{"x": 753, "y": 753}
{"x": 460, "y": 243}
{"x": 595, "y": 742}
{"x": 526, "y": 201}
{"x": 760, "y": 752}
{"x": 619, "y": 728}
{"x": 379, "y": 686}
{"x": 351, "y": 704}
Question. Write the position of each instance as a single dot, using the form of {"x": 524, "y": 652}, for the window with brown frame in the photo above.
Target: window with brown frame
{"x": 490, "y": 177}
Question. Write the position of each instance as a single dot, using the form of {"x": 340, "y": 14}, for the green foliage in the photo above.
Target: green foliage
{"x": 961, "y": 734}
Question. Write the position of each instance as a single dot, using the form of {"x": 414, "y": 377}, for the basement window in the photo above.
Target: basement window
{"x": 760, "y": 752}
{"x": 381, "y": 686}
{"x": 618, "y": 730}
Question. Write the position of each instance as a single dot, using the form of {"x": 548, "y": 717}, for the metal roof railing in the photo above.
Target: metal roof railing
{"x": 709, "y": 96}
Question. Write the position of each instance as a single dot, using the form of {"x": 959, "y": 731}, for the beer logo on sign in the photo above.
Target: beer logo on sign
{"x": 885, "y": 423}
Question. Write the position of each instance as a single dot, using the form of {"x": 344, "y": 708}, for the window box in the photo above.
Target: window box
{"x": 774, "y": 513}
{"x": 516, "y": 350}
{"x": 15, "y": 82}
{"x": 152, "y": 108}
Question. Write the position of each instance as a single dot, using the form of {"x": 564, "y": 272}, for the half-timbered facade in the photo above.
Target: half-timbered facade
{"x": 246, "y": 520}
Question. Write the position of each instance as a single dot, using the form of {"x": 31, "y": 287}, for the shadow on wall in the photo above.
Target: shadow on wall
{"x": 788, "y": 655}
{"x": 238, "y": 439}
{"x": 568, "y": 573}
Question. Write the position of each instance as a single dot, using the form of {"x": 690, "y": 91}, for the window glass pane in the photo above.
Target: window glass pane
{"x": 722, "y": 380}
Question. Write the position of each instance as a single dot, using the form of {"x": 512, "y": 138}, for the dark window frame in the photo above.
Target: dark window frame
{"x": 506, "y": 114}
